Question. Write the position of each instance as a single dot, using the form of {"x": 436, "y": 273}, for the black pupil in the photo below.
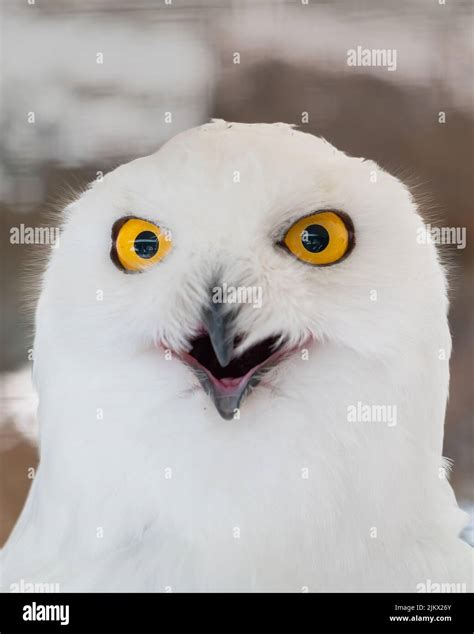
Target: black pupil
{"x": 315, "y": 238}
{"x": 146, "y": 244}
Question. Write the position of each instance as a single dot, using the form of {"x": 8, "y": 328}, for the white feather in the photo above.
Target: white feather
{"x": 238, "y": 512}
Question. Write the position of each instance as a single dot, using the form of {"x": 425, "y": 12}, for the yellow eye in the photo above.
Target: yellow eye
{"x": 138, "y": 244}
{"x": 320, "y": 239}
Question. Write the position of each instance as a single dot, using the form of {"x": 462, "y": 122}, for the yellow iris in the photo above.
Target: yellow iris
{"x": 320, "y": 239}
{"x": 139, "y": 244}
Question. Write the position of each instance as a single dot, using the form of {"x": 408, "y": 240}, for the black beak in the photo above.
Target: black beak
{"x": 220, "y": 329}
{"x": 226, "y": 378}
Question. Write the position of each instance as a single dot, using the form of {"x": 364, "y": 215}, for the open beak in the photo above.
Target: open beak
{"x": 224, "y": 376}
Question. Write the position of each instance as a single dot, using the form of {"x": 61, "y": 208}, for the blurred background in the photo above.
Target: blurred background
{"x": 88, "y": 84}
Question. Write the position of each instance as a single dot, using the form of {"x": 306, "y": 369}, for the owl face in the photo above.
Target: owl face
{"x": 236, "y": 246}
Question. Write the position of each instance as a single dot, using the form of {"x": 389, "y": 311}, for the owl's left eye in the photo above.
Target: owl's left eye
{"x": 322, "y": 238}
{"x": 138, "y": 244}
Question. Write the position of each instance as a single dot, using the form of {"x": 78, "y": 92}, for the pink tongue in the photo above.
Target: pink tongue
{"x": 230, "y": 382}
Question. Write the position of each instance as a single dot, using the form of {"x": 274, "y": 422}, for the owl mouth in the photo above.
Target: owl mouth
{"x": 228, "y": 384}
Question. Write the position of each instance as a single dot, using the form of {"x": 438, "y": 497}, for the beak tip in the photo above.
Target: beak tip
{"x": 219, "y": 327}
{"x": 224, "y": 356}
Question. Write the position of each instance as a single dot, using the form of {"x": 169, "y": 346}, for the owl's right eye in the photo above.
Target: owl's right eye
{"x": 320, "y": 239}
{"x": 138, "y": 244}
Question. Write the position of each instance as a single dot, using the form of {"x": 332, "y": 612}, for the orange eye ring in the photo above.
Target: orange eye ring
{"x": 321, "y": 238}
{"x": 138, "y": 244}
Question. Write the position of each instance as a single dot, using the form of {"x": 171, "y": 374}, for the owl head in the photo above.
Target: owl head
{"x": 233, "y": 249}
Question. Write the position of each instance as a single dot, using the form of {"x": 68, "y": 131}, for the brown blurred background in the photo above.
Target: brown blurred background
{"x": 178, "y": 58}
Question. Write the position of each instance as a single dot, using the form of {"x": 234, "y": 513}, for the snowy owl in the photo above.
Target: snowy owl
{"x": 241, "y": 356}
